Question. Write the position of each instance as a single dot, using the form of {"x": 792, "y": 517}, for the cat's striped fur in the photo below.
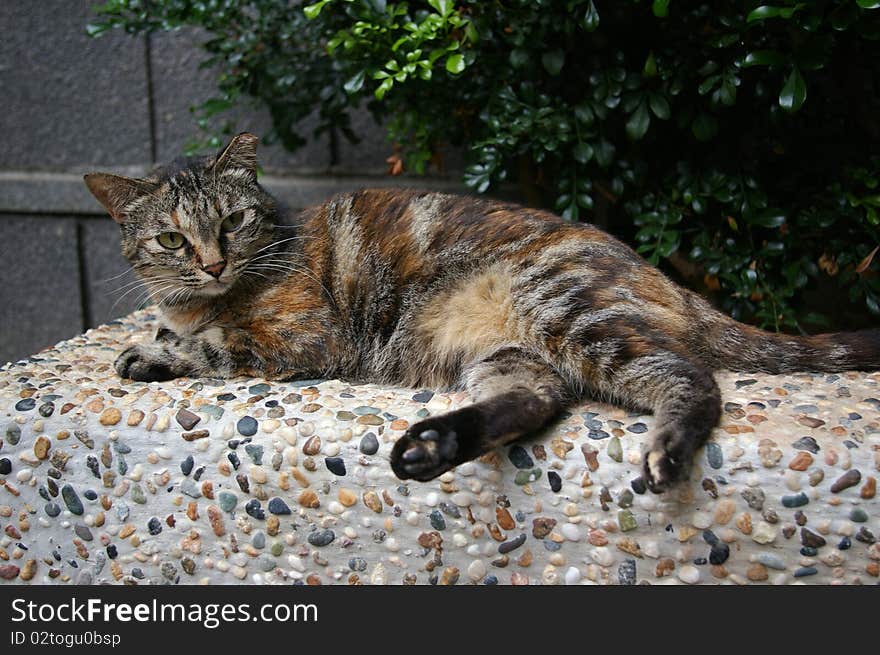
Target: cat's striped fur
{"x": 525, "y": 311}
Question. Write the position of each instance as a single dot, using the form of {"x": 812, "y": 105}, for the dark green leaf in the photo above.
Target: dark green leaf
{"x": 355, "y": 83}
{"x": 661, "y": 8}
{"x": 793, "y": 92}
{"x": 591, "y": 18}
{"x": 659, "y": 105}
{"x": 583, "y": 152}
{"x": 764, "y": 58}
{"x": 704, "y": 127}
{"x": 638, "y": 122}
{"x": 519, "y": 57}
{"x": 553, "y": 61}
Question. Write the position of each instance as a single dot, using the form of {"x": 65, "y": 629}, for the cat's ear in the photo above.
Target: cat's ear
{"x": 116, "y": 192}
{"x": 239, "y": 155}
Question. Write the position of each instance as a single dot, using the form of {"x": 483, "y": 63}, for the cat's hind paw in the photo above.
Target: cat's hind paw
{"x": 426, "y": 450}
{"x": 144, "y": 364}
{"x": 665, "y": 465}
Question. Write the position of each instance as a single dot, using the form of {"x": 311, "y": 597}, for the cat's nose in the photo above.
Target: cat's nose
{"x": 215, "y": 269}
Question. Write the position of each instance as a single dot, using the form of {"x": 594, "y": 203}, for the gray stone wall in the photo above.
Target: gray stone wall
{"x": 72, "y": 104}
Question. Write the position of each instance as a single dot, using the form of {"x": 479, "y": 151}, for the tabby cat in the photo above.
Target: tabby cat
{"x": 525, "y": 311}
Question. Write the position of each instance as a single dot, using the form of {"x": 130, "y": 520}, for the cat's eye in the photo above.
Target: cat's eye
{"x": 232, "y": 222}
{"x": 171, "y": 240}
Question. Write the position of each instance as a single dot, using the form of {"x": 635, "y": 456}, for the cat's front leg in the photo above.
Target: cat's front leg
{"x": 168, "y": 357}
{"x": 150, "y": 362}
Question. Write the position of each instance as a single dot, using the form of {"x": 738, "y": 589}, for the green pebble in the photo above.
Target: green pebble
{"x": 227, "y": 501}
{"x": 615, "y": 450}
{"x": 138, "y": 495}
{"x": 277, "y": 548}
{"x": 522, "y": 477}
{"x": 858, "y": 515}
{"x": 626, "y": 520}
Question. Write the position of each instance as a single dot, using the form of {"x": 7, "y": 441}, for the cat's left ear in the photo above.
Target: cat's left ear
{"x": 239, "y": 155}
{"x": 116, "y": 192}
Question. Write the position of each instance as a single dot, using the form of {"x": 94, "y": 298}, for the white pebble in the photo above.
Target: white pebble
{"x": 572, "y": 575}
{"x": 476, "y": 570}
{"x": 432, "y": 499}
{"x": 764, "y": 533}
{"x": 462, "y": 499}
{"x": 24, "y": 475}
{"x": 459, "y": 540}
{"x": 602, "y": 556}
{"x": 651, "y": 549}
{"x": 701, "y": 520}
{"x": 571, "y": 532}
{"x": 689, "y": 574}
{"x": 331, "y": 449}
{"x": 164, "y": 452}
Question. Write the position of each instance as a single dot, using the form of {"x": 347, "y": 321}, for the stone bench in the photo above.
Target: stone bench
{"x": 248, "y": 481}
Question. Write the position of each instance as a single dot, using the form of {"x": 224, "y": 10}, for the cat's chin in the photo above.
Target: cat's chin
{"x": 214, "y": 288}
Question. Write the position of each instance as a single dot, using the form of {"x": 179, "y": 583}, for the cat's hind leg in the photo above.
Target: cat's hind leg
{"x": 685, "y": 400}
{"x": 514, "y": 392}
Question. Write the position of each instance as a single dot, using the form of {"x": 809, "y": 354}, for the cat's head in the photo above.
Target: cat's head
{"x": 190, "y": 229}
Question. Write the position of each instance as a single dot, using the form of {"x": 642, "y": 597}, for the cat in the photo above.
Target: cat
{"x": 523, "y": 310}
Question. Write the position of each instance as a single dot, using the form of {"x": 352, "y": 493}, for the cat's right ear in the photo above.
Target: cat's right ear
{"x": 116, "y": 192}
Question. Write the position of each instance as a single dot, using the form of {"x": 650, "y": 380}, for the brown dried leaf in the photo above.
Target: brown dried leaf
{"x": 866, "y": 262}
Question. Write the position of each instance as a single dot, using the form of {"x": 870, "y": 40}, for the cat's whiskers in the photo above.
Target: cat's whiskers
{"x": 130, "y": 269}
{"x": 140, "y": 285}
{"x": 280, "y": 241}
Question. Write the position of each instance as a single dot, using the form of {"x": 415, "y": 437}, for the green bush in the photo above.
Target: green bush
{"x": 733, "y": 143}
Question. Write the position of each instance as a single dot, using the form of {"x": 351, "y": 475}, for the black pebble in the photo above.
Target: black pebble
{"x": 845, "y": 544}
{"x": 111, "y": 551}
{"x": 154, "y": 526}
{"x": 806, "y": 443}
{"x": 226, "y": 396}
{"x": 233, "y": 459}
{"x": 369, "y": 444}
{"x": 335, "y": 465}
{"x": 186, "y": 466}
{"x": 555, "y": 481}
{"x": 719, "y": 553}
{"x": 247, "y": 426}
{"x": 638, "y": 485}
{"x": 710, "y": 538}
{"x": 278, "y": 506}
{"x": 5, "y": 466}
{"x": 254, "y": 509}
{"x": 25, "y": 404}
{"x": 520, "y": 458}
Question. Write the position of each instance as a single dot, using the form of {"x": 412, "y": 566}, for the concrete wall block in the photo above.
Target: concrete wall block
{"x": 111, "y": 290}
{"x": 179, "y": 84}
{"x": 39, "y": 284}
{"x": 69, "y": 101}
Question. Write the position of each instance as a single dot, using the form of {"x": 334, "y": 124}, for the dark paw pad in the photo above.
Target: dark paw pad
{"x": 424, "y": 452}
{"x": 661, "y": 470}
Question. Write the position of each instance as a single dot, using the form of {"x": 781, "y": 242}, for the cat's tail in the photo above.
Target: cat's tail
{"x": 739, "y": 347}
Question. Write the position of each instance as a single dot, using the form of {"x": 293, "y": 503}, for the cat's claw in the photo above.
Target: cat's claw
{"x": 423, "y": 454}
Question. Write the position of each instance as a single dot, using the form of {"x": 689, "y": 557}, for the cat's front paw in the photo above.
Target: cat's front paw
{"x": 426, "y": 450}
{"x": 145, "y": 363}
